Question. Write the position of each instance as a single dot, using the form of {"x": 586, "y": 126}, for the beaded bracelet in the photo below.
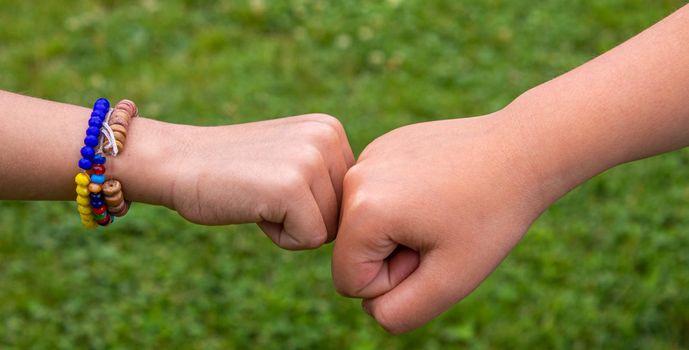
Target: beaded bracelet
{"x": 98, "y": 200}
{"x": 88, "y": 153}
{"x": 117, "y": 124}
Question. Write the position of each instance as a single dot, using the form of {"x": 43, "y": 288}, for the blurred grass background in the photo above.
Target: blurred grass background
{"x": 606, "y": 267}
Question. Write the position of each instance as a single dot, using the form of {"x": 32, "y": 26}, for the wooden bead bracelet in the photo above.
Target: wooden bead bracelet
{"x": 99, "y": 200}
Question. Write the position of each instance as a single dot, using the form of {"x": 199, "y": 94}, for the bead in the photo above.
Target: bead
{"x": 129, "y": 107}
{"x": 96, "y": 197}
{"x": 121, "y": 212}
{"x": 100, "y": 216}
{"x": 98, "y": 179}
{"x": 120, "y": 137}
{"x": 97, "y": 204}
{"x": 85, "y": 164}
{"x": 88, "y": 222}
{"x": 102, "y": 101}
{"x": 95, "y": 122}
{"x": 93, "y": 131}
{"x": 98, "y": 169}
{"x": 105, "y": 221}
{"x": 91, "y": 141}
{"x": 82, "y": 179}
{"x": 119, "y": 128}
{"x": 119, "y": 113}
{"x": 83, "y": 200}
{"x": 94, "y": 187}
{"x": 99, "y": 159}
{"x": 99, "y": 113}
{"x": 111, "y": 187}
{"x": 88, "y": 152}
{"x": 119, "y": 117}
{"x": 86, "y": 217}
{"x": 84, "y": 210}
{"x": 90, "y": 225}
{"x": 101, "y": 106}
{"x": 108, "y": 147}
{"x": 82, "y": 191}
{"x": 114, "y": 200}
{"x": 99, "y": 210}
{"x": 117, "y": 208}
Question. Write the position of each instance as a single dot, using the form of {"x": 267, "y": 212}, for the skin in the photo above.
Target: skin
{"x": 285, "y": 174}
{"x": 431, "y": 209}
{"x": 428, "y": 211}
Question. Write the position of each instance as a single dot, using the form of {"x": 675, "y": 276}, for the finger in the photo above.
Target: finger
{"x": 359, "y": 265}
{"x": 326, "y": 197}
{"x": 301, "y": 225}
{"x": 345, "y": 147}
{"x": 272, "y": 230}
{"x": 420, "y": 297}
{"x": 400, "y": 264}
{"x": 336, "y": 170}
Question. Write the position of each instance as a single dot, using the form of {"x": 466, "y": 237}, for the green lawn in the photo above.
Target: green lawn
{"x": 606, "y": 267}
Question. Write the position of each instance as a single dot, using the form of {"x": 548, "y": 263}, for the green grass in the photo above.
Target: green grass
{"x": 606, "y": 267}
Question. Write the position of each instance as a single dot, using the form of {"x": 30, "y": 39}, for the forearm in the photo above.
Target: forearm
{"x": 284, "y": 174}
{"x": 631, "y": 102}
{"x": 40, "y": 142}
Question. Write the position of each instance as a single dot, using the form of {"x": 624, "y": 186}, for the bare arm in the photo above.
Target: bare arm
{"x": 284, "y": 174}
{"x": 630, "y": 103}
{"x": 40, "y": 142}
{"x": 431, "y": 209}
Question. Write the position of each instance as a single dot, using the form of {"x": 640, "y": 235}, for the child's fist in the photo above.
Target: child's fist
{"x": 428, "y": 212}
{"x": 284, "y": 174}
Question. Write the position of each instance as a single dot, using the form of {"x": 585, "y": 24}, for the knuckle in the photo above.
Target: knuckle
{"x": 353, "y": 178}
{"x": 328, "y": 120}
{"x": 292, "y": 181}
{"x": 323, "y": 130}
{"x": 308, "y": 159}
{"x": 362, "y": 202}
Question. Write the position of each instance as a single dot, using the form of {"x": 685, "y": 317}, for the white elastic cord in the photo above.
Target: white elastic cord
{"x": 108, "y": 134}
{"x": 107, "y": 131}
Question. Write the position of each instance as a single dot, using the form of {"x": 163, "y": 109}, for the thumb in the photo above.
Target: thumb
{"x": 366, "y": 261}
{"x": 423, "y": 295}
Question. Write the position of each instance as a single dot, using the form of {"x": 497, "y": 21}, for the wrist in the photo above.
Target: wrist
{"x": 560, "y": 152}
{"x": 144, "y": 167}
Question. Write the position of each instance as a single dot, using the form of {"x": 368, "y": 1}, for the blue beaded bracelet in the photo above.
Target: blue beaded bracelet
{"x": 88, "y": 152}
{"x": 92, "y": 160}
